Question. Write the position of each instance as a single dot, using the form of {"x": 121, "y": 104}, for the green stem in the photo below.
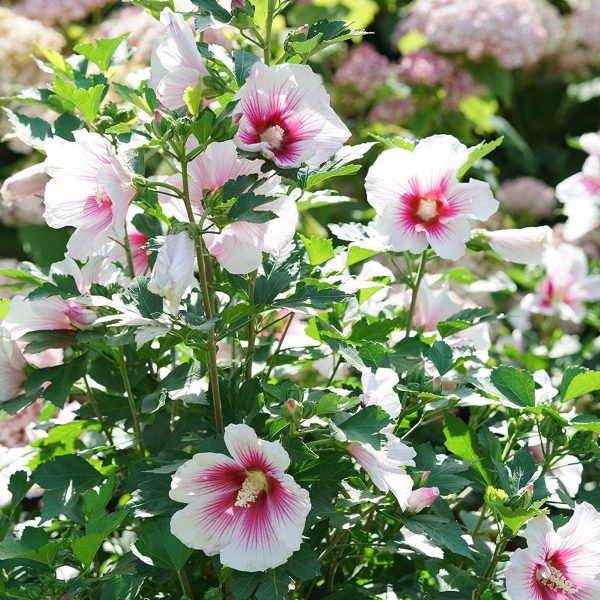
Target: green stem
{"x": 127, "y": 246}
{"x": 186, "y": 588}
{"x": 96, "y": 408}
{"x": 251, "y": 330}
{"x": 491, "y": 570}
{"x": 415, "y": 293}
{"x": 290, "y": 317}
{"x": 131, "y": 399}
{"x": 206, "y": 300}
{"x": 269, "y": 29}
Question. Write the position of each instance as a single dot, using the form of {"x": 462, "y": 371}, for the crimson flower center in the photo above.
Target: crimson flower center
{"x": 552, "y": 578}
{"x": 427, "y": 209}
{"x": 273, "y": 136}
{"x": 102, "y": 197}
{"x": 254, "y": 484}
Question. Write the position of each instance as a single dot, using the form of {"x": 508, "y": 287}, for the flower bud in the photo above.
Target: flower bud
{"x": 523, "y": 246}
{"x": 173, "y": 273}
{"x": 21, "y": 196}
{"x": 425, "y": 477}
{"x": 302, "y": 30}
{"x": 292, "y": 409}
{"x": 422, "y": 498}
{"x": 581, "y": 442}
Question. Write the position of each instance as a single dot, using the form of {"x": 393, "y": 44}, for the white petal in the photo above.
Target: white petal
{"x": 450, "y": 239}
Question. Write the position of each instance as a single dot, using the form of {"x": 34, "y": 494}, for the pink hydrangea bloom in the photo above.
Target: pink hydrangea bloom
{"x": 244, "y": 508}
{"x": 419, "y": 200}
{"x": 90, "y": 190}
{"x": 527, "y": 195}
{"x": 176, "y": 63}
{"x": 58, "y": 12}
{"x": 239, "y": 246}
{"x": 364, "y": 70}
{"x": 581, "y": 43}
{"x": 386, "y": 466}
{"x": 392, "y": 110}
{"x": 285, "y": 114}
{"x": 558, "y": 565}
{"x": 567, "y": 285}
{"x": 580, "y": 193}
{"x": 511, "y": 31}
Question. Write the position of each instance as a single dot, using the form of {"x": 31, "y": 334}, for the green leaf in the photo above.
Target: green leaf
{"x": 213, "y": 8}
{"x": 444, "y": 533}
{"x": 57, "y": 62}
{"x": 86, "y": 547}
{"x": 40, "y": 341}
{"x": 18, "y": 486}
{"x": 243, "y": 209}
{"x": 101, "y": 52}
{"x": 514, "y": 384}
{"x": 444, "y": 476}
{"x": 580, "y": 384}
{"x": 87, "y": 101}
{"x": 159, "y": 547}
{"x": 516, "y": 518}
{"x": 274, "y": 586}
{"x": 477, "y": 153}
{"x": 192, "y": 96}
{"x": 30, "y": 130}
{"x": 522, "y": 468}
{"x": 122, "y": 587}
{"x": 244, "y": 584}
{"x": 440, "y": 354}
{"x": 366, "y": 425}
{"x": 312, "y": 295}
{"x": 69, "y": 470}
{"x": 462, "y": 441}
{"x": 303, "y": 564}
{"x": 244, "y": 61}
{"x": 61, "y": 380}
{"x": 149, "y": 304}
{"x": 319, "y": 249}
{"x": 268, "y": 288}
{"x": 133, "y": 96}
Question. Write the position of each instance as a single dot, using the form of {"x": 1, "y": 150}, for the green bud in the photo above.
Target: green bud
{"x": 581, "y": 442}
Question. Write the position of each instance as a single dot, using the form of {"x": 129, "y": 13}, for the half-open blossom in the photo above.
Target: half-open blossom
{"x": 378, "y": 389}
{"x": 176, "y": 63}
{"x": 580, "y": 193}
{"x": 173, "y": 273}
{"x": 238, "y": 247}
{"x": 386, "y": 466}
{"x": 421, "y": 498}
{"x": 524, "y": 246}
{"x": 558, "y": 565}
{"x": 419, "y": 200}
{"x": 567, "y": 285}
{"x": 21, "y": 196}
{"x": 12, "y": 364}
{"x": 285, "y": 114}
{"x": 244, "y": 508}
{"x": 90, "y": 190}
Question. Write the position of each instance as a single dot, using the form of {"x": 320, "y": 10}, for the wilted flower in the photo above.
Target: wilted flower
{"x": 419, "y": 201}
{"x": 421, "y": 498}
{"x": 567, "y": 285}
{"x": 285, "y": 114}
{"x": 524, "y": 246}
{"x": 527, "y": 195}
{"x": 173, "y": 273}
{"x": 176, "y": 62}
{"x": 89, "y": 190}
{"x": 21, "y": 196}
{"x": 239, "y": 246}
{"x": 580, "y": 193}
{"x": 561, "y": 564}
{"x": 244, "y": 508}
{"x": 386, "y": 466}
{"x": 378, "y": 389}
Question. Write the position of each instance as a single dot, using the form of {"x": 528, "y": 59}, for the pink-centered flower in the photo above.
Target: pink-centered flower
{"x": 419, "y": 200}
{"x": 90, "y": 190}
{"x": 567, "y": 285}
{"x": 580, "y": 193}
{"x": 239, "y": 246}
{"x": 176, "y": 63}
{"x": 244, "y": 508}
{"x": 284, "y": 113}
{"x": 386, "y": 466}
{"x": 558, "y": 565}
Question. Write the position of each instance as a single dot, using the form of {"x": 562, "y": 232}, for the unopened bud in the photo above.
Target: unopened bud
{"x": 581, "y": 442}
{"x": 425, "y": 477}
{"x": 422, "y": 498}
{"x": 302, "y": 30}
{"x": 238, "y": 4}
{"x": 139, "y": 182}
{"x": 522, "y": 500}
{"x": 293, "y": 410}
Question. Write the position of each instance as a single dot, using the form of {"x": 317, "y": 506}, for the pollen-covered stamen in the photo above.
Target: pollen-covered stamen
{"x": 552, "y": 578}
{"x": 428, "y": 209}
{"x": 254, "y": 484}
{"x": 273, "y": 136}
{"x": 102, "y": 197}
